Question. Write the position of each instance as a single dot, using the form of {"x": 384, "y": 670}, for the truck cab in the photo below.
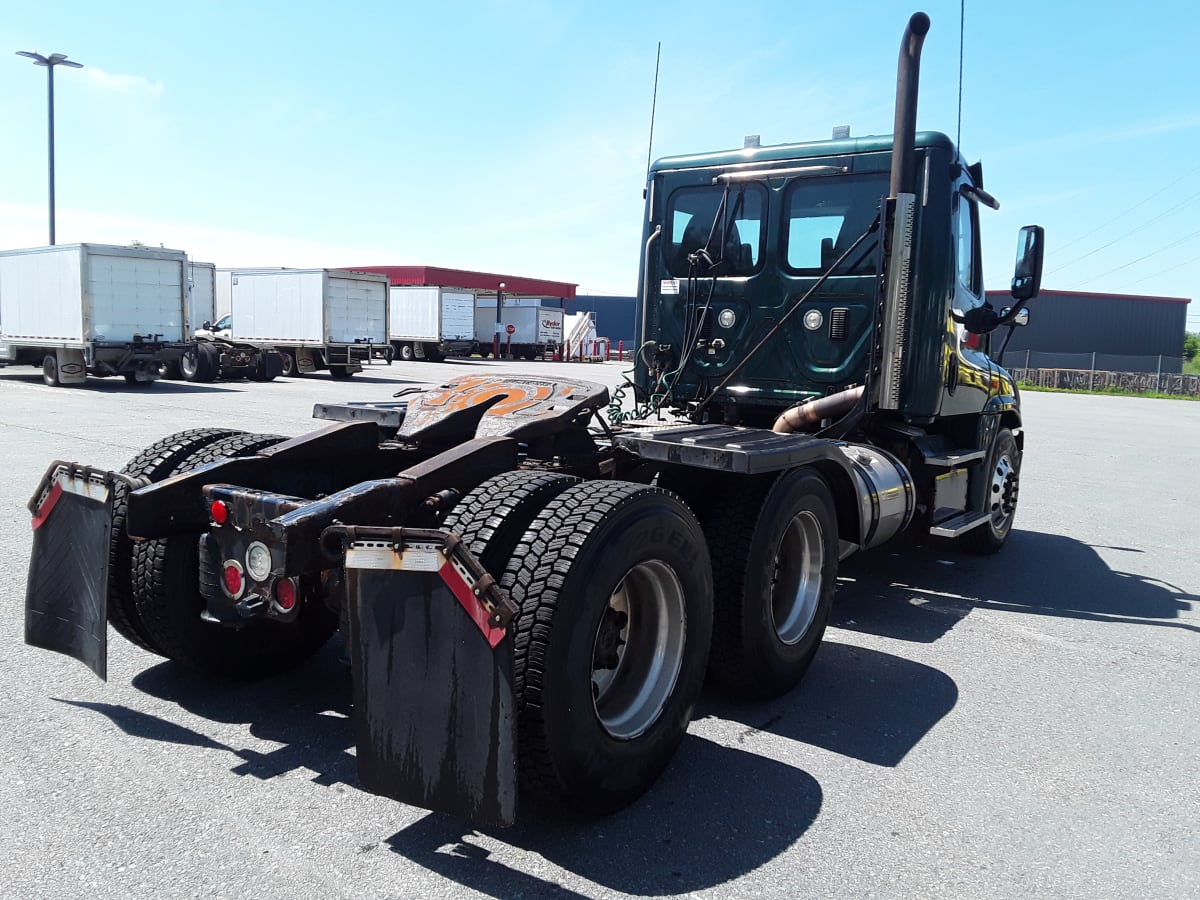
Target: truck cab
{"x": 734, "y": 239}
{"x": 222, "y": 328}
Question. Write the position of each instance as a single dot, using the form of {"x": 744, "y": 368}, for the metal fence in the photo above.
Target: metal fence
{"x": 1087, "y": 380}
{"x": 1092, "y": 362}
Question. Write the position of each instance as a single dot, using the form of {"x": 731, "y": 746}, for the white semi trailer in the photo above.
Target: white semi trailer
{"x": 94, "y": 309}
{"x": 431, "y": 322}
{"x": 317, "y": 319}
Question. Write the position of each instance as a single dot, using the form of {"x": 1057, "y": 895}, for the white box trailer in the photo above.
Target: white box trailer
{"x": 525, "y": 331}
{"x": 80, "y": 309}
{"x": 331, "y": 319}
{"x": 431, "y": 322}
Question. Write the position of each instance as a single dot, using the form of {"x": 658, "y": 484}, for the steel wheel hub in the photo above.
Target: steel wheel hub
{"x": 638, "y": 649}
{"x": 796, "y": 585}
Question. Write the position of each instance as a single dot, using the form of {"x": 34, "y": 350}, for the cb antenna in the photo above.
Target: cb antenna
{"x": 653, "y": 108}
{"x": 962, "y": 11}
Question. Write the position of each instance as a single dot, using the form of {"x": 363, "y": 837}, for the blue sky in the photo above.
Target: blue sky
{"x": 512, "y": 136}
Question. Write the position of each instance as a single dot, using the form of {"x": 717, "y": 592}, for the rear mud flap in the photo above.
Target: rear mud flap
{"x": 67, "y": 592}
{"x": 433, "y": 674}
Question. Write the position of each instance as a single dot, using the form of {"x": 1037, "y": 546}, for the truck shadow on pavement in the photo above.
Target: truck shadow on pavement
{"x": 919, "y": 592}
{"x": 693, "y": 830}
{"x": 121, "y": 386}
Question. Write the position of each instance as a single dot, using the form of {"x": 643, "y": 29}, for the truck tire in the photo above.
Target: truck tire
{"x": 615, "y": 595}
{"x": 407, "y": 353}
{"x": 50, "y": 370}
{"x": 201, "y": 364}
{"x": 265, "y": 368}
{"x": 290, "y": 368}
{"x": 492, "y": 518}
{"x": 1003, "y": 474}
{"x": 166, "y": 589}
{"x": 189, "y": 364}
{"x": 433, "y": 352}
{"x": 774, "y": 548}
{"x": 340, "y": 373}
{"x": 153, "y": 464}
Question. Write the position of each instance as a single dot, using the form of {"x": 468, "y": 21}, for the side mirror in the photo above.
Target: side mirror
{"x": 1021, "y": 318}
{"x": 207, "y": 326}
{"x": 1027, "y": 279}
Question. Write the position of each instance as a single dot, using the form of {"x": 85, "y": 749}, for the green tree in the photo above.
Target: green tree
{"x": 1191, "y": 345}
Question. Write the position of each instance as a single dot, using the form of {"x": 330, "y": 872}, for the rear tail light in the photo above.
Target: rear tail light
{"x": 231, "y": 579}
{"x": 219, "y": 512}
{"x": 285, "y": 594}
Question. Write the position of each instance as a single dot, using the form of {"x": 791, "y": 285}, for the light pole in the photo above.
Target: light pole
{"x": 54, "y": 59}
{"x": 499, "y": 305}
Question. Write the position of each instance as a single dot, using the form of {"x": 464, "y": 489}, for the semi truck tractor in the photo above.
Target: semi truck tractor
{"x": 534, "y": 576}
{"x": 215, "y": 354}
{"x": 93, "y": 309}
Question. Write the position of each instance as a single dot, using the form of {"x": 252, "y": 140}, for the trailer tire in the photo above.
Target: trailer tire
{"x": 593, "y": 738}
{"x": 774, "y": 548}
{"x": 407, "y": 353}
{"x": 340, "y": 373}
{"x": 152, "y": 464}
{"x": 433, "y": 353}
{"x": 165, "y": 585}
{"x": 1004, "y": 480}
{"x": 491, "y": 519}
{"x": 50, "y": 370}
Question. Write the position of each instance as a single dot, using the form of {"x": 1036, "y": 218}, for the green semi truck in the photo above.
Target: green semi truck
{"x": 534, "y": 577}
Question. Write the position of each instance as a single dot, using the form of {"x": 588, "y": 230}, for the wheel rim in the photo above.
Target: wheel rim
{"x": 796, "y": 585}
{"x": 1002, "y": 499}
{"x": 638, "y": 649}
{"x": 50, "y": 370}
{"x": 289, "y": 364}
{"x": 188, "y": 365}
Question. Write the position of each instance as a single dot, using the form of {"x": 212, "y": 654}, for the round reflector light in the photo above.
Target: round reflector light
{"x": 285, "y": 594}
{"x": 220, "y": 512}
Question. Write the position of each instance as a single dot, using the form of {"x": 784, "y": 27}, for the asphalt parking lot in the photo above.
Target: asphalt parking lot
{"x": 1015, "y": 726}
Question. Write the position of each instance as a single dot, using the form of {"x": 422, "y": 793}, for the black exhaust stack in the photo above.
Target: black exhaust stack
{"x": 908, "y": 76}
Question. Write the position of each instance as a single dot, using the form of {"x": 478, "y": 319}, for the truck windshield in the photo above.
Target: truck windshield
{"x": 824, "y": 216}
{"x": 726, "y": 223}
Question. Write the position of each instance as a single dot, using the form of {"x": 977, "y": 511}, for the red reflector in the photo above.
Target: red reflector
{"x": 233, "y": 580}
{"x": 220, "y": 512}
{"x": 285, "y": 594}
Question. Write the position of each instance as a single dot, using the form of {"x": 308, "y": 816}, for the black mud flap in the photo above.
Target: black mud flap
{"x": 67, "y": 592}
{"x": 433, "y": 674}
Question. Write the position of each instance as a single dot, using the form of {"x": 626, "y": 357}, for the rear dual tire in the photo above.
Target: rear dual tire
{"x": 613, "y": 585}
{"x": 154, "y": 597}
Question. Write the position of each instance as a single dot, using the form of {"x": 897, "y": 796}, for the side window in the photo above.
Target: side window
{"x": 966, "y": 246}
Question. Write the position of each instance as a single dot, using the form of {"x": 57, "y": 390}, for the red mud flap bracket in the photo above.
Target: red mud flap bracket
{"x": 66, "y": 595}
{"x": 433, "y": 672}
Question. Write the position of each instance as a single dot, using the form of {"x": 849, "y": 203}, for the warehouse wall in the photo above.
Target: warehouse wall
{"x": 1118, "y": 324}
{"x": 615, "y": 316}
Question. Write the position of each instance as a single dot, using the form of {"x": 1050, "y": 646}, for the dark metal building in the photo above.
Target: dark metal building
{"x": 1123, "y": 332}
{"x": 615, "y": 316}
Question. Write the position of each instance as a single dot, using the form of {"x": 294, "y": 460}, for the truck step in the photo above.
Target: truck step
{"x": 959, "y": 524}
{"x": 952, "y": 458}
